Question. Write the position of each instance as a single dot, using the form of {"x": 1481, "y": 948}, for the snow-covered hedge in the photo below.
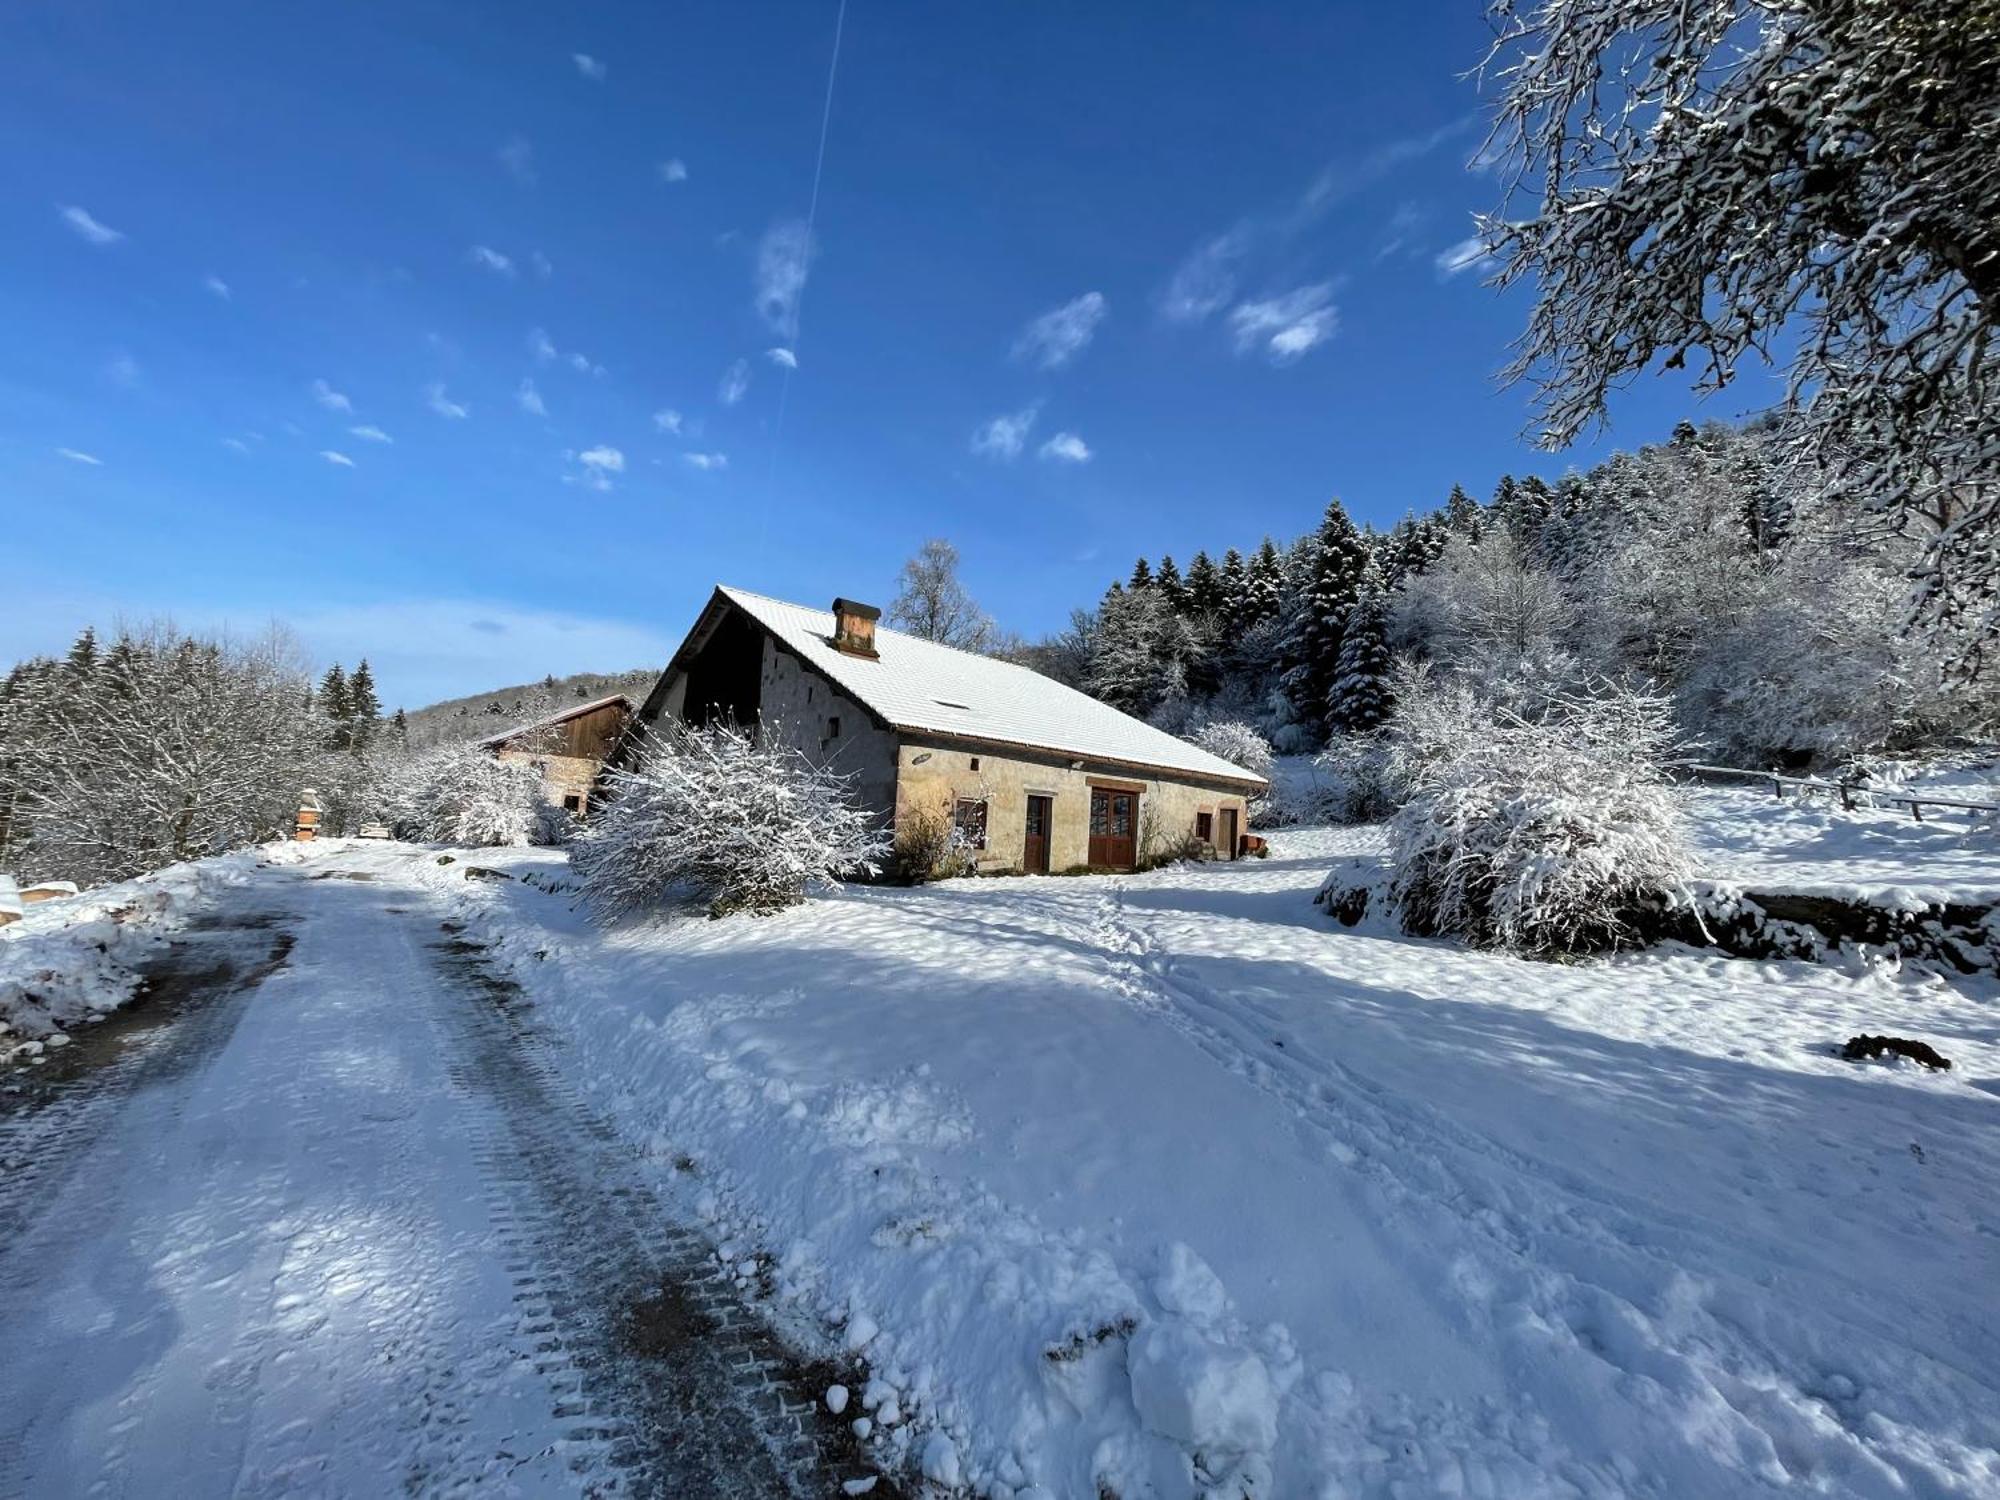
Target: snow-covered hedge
{"x": 1535, "y": 834}
{"x": 726, "y": 817}
{"x": 465, "y": 795}
{"x": 1237, "y": 743}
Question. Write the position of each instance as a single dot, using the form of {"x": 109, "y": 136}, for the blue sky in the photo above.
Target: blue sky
{"x": 457, "y": 335}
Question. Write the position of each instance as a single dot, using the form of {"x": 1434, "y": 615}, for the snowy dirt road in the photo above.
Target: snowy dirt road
{"x": 324, "y": 1217}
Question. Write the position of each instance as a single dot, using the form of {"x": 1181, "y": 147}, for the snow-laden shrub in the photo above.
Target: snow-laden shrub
{"x": 552, "y": 826}
{"x": 931, "y": 846}
{"x": 730, "y": 818}
{"x": 1536, "y": 835}
{"x": 1237, "y": 743}
{"x": 1356, "y": 780}
{"x": 465, "y": 795}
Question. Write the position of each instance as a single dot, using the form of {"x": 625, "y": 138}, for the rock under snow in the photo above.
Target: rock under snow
{"x": 1199, "y": 1392}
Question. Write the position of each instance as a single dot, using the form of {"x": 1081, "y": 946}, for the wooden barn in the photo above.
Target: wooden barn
{"x": 1039, "y": 777}
{"x": 568, "y": 748}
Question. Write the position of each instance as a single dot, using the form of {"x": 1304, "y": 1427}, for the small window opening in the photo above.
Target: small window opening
{"x": 1204, "y": 827}
{"x": 572, "y": 803}
{"x": 968, "y": 816}
{"x": 833, "y": 726}
{"x": 975, "y": 762}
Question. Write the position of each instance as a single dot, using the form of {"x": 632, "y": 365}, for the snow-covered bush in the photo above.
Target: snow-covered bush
{"x": 1536, "y": 835}
{"x": 552, "y": 826}
{"x": 930, "y": 846}
{"x": 1356, "y": 782}
{"x": 1237, "y": 743}
{"x": 465, "y": 795}
{"x": 730, "y": 818}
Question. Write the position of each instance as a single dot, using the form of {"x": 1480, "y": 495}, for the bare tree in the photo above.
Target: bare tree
{"x": 934, "y": 605}
{"x": 1812, "y": 182}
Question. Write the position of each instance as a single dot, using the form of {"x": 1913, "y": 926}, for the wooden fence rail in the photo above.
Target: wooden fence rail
{"x": 1846, "y": 791}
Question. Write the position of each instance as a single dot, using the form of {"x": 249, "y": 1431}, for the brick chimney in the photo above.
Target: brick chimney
{"x": 854, "y": 628}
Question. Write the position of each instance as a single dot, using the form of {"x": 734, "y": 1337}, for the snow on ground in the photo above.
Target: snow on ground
{"x": 75, "y": 959}
{"x": 1812, "y": 846}
{"x": 1166, "y": 1185}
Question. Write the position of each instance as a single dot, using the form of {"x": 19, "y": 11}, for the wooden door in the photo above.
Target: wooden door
{"x": 1035, "y": 846}
{"x": 1114, "y": 822}
{"x": 1227, "y": 845}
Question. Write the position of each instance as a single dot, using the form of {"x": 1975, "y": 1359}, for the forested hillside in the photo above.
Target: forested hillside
{"x": 1713, "y": 568}
{"x": 480, "y": 714}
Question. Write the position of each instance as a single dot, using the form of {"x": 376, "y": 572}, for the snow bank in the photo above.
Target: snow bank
{"x": 1163, "y": 1186}
{"x": 75, "y": 959}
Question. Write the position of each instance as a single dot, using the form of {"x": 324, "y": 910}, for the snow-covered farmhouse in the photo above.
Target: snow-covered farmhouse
{"x": 568, "y": 748}
{"x": 1038, "y": 776}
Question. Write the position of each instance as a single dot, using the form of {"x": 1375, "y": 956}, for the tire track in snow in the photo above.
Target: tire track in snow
{"x": 668, "y": 1383}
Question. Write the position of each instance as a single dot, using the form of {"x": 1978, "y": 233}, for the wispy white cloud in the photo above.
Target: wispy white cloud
{"x": 78, "y": 456}
{"x": 331, "y": 399}
{"x": 122, "y": 370}
{"x": 337, "y": 459}
{"x": 735, "y": 383}
{"x": 782, "y": 357}
{"x": 1470, "y": 254}
{"x": 91, "y": 228}
{"x": 589, "y": 66}
{"x": 540, "y": 345}
{"x": 595, "y": 466}
{"x": 667, "y": 420}
{"x": 436, "y": 399}
{"x": 491, "y": 259}
{"x": 216, "y": 287}
{"x": 583, "y": 364}
{"x": 1286, "y": 327}
{"x": 1343, "y": 178}
{"x": 783, "y": 256}
{"x": 518, "y": 157}
{"x": 1066, "y": 447}
{"x": 370, "y": 433}
{"x": 236, "y": 444}
{"x": 673, "y": 169}
{"x": 1003, "y": 436}
{"x": 707, "y": 460}
{"x": 530, "y": 400}
{"x": 1206, "y": 280}
{"x": 544, "y": 267}
{"x": 1061, "y": 334}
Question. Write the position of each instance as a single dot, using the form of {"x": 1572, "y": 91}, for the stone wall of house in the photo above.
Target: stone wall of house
{"x": 936, "y": 775}
{"x": 802, "y": 708}
{"x": 562, "y": 775}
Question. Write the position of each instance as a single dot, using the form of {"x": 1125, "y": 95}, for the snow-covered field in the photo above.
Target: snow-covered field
{"x": 1812, "y": 846}
{"x": 1166, "y": 1185}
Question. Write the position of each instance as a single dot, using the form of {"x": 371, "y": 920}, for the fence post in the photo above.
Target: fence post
{"x": 1916, "y": 810}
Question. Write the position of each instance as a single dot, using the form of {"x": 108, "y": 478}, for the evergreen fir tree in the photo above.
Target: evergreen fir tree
{"x": 1265, "y": 584}
{"x": 1359, "y": 698}
{"x": 333, "y": 707}
{"x": 82, "y": 660}
{"x": 1168, "y": 582}
{"x": 1204, "y": 587}
{"x": 401, "y": 726}
{"x": 1462, "y": 515}
{"x": 1235, "y": 605}
{"x": 1335, "y": 563}
{"x": 364, "y": 709}
{"x": 1506, "y": 506}
{"x": 1142, "y": 574}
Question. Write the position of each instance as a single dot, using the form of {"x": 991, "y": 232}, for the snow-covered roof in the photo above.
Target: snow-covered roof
{"x": 492, "y": 741}
{"x": 922, "y": 687}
